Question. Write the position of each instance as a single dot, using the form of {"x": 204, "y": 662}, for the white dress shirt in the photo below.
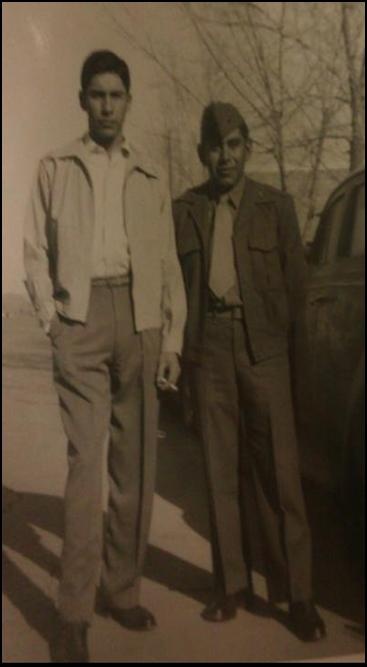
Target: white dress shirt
{"x": 110, "y": 243}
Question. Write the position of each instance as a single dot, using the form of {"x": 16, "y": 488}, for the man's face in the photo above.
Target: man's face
{"x": 225, "y": 159}
{"x": 106, "y": 101}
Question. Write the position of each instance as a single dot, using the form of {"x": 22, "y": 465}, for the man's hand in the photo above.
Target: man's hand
{"x": 48, "y": 326}
{"x": 168, "y": 371}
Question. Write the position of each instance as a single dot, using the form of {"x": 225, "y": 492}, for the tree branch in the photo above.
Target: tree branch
{"x": 151, "y": 55}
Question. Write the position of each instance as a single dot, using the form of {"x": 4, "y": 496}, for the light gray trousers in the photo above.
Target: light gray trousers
{"x": 105, "y": 376}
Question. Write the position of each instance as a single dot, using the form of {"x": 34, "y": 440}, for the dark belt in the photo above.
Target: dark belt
{"x": 113, "y": 281}
{"x": 231, "y": 313}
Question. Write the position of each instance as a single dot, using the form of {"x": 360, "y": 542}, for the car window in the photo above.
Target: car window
{"x": 352, "y": 239}
{"x": 327, "y": 236}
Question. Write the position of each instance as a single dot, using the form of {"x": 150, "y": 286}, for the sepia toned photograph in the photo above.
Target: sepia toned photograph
{"x": 183, "y": 332}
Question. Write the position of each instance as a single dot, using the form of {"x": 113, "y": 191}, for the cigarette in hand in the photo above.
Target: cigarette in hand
{"x": 163, "y": 383}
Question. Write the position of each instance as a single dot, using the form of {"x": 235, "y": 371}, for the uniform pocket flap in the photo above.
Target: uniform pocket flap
{"x": 263, "y": 236}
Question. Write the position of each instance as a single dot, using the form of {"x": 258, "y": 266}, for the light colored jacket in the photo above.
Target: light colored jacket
{"x": 59, "y": 237}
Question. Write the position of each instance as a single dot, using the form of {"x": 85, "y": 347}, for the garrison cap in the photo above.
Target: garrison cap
{"x": 218, "y": 119}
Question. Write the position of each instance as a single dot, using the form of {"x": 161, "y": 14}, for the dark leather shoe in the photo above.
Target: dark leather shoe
{"x": 306, "y": 622}
{"x": 70, "y": 643}
{"x": 136, "y": 618}
{"x": 223, "y": 608}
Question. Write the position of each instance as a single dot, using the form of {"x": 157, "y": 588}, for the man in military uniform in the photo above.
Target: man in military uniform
{"x": 243, "y": 266}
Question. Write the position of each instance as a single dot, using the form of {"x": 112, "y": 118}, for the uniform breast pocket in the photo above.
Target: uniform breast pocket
{"x": 264, "y": 250}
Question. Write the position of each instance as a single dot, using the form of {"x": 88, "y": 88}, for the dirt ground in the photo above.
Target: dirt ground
{"x": 177, "y": 578}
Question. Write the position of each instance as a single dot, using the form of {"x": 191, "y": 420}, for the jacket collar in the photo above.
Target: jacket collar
{"x": 235, "y": 195}
{"x": 257, "y": 192}
{"x": 93, "y": 147}
{"x": 78, "y": 149}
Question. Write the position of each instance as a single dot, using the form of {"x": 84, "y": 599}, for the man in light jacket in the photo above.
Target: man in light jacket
{"x": 103, "y": 275}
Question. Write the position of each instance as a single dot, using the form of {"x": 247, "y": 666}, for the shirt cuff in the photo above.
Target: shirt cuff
{"x": 46, "y": 326}
{"x": 172, "y": 344}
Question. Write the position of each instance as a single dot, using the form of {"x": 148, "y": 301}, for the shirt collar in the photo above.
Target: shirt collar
{"x": 136, "y": 158}
{"x": 233, "y": 197}
{"x": 93, "y": 147}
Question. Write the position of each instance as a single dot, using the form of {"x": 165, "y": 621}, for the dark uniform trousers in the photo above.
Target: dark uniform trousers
{"x": 105, "y": 378}
{"x": 245, "y": 414}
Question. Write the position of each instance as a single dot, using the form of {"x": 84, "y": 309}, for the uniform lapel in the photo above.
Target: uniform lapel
{"x": 200, "y": 210}
{"x": 246, "y": 212}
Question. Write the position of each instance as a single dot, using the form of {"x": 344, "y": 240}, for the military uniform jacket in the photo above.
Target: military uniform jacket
{"x": 269, "y": 259}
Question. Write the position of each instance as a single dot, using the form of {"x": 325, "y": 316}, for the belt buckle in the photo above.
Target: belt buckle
{"x": 237, "y": 313}
{"x": 219, "y": 312}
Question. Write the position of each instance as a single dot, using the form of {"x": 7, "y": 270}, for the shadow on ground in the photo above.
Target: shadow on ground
{"x": 23, "y": 512}
{"x": 180, "y": 480}
{"x": 338, "y": 572}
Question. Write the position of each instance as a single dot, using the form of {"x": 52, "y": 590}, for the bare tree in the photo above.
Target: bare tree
{"x": 352, "y": 21}
{"x": 177, "y": 87}
{"x": 319, "y": 116}
{"x": 299, "y": 71}
{"x": 249, "y": 72}
{"x": 334, "y": 112}
{"x": 295, "y": 69}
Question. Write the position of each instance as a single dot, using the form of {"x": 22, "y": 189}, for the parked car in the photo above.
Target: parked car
{"x": 332, "y": 449}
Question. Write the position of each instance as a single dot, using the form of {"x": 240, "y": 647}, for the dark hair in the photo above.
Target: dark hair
{"x": 99, "y": 62}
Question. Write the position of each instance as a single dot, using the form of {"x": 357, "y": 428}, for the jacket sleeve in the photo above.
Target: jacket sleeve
{"x": 174, "y": 309}
{"x": 293, "y": 259}
{"x": 296, "y": 273}
{"x": 36, "y": 252}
